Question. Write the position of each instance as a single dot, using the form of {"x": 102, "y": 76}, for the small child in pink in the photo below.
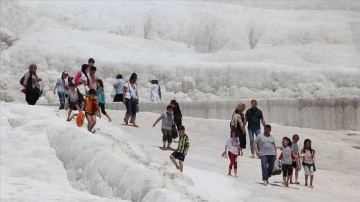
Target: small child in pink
{"x": 234, "y": 150}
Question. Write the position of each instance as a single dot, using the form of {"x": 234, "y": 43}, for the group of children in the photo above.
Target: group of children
{"x": 90, "y": 100}
{"x": 290, "y": 158}
{"x": 169, "y": 121}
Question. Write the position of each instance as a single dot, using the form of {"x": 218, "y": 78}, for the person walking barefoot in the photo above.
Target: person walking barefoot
{"x": 233, "y": 149}
{"x": 182, "y": 149}
{"x": 308, "y": 155}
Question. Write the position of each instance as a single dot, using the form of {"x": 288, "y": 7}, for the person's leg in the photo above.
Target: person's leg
{"x": 271, "y": 162}
{"x": 61, "y": 96}
{"x": 93, "y": 119}
{"x": 89, "y": 120}
{"x": 235, "y": 166}
{"x": 69, "y": 113}
{"x": 133, "y": 114}
{"x": 293, "y": 166}
{"x": 128, "y": 110}
{"x": 164, "y": 138}
{"x": 102, "y": 107}
{"x": 296, "y": 173}
{"x": 172, "y": 158}
{"x": 306, "y": 172}
{"x": 311, "y": 176}
{"x": 284, "y": 172}
{"x": 257, "y": 132}
{"x": 264, "y": 169}
{"x": 231, "y": 158}
{"x": 251, "y": 138}
{"x": 169, "y": 138}
{"x": 181, "y": 166}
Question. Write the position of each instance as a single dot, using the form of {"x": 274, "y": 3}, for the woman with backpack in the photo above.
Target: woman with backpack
{"x": 237, "y": 121}
{"x": 61, "y": 86}
{"x": 30, "y": 81}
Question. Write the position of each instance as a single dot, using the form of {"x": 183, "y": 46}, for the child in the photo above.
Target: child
{"x": 73, "y": 98}
{"x": 286, "y": 158}
{"x": 101, "y": 97}
{"x": 182, "y": 149}
{"x": 91, "y": 107}
{"x": 296, "y": 163}
{"x": 308, "y": 155}
{"x": 166, "y": 127}
{"x": 234, "y": 148}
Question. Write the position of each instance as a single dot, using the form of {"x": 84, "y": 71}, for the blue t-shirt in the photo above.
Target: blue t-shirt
{"x": 253, "y": 116}
{"x": 101, "y": 95}
{"x": 120, "y": 86}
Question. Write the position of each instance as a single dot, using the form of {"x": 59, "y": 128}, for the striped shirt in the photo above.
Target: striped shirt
{"x": 183, "y": 143}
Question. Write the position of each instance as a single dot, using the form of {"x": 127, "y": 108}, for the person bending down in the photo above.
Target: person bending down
{"x": 182, "y": 149}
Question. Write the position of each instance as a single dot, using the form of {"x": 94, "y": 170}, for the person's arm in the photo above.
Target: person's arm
{"x": 258, "y": 153}
{"x": 240, "y": 151}
{"x": 187, "y": 147}
{"x": 263, "y": 121}
{"x": 98, "y": 109}
{"x": 157, "y": 120}
{"x": 245, "y": 122}
{"x": 225, "y": 150}
{"x": 83, "y": 105}
{"x": 124, "y": 93}
{"x": 313, "y": 154}
{"x": 56, "y": 85}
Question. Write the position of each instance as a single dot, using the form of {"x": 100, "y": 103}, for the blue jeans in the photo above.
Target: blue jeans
{"x": 61, "y": 99}
{"x": 130, "y": 107}
{"x": 267, "y": 166}
{"x": 251, "y": 138}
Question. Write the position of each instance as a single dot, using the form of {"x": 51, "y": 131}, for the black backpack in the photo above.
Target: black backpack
{"x": 22, "y": 80}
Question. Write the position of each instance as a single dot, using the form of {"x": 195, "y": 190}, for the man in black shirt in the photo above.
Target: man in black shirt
{"x": 253, "y": 117}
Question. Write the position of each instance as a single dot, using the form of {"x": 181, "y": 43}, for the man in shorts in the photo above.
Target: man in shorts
{"x": 92, "y": 109}
{"x": 182, "y": 149}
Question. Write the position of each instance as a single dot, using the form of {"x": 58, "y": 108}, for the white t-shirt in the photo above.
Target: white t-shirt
{"x": 233, "y": 145}
{"x": 130, "y": 90}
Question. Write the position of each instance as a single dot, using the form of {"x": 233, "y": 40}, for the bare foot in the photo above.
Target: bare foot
{"x": 236, "y": 176}
{"x": 137, "y": 126}
{"x": 178, "y": 167}
{"x": 266, "y": 182}
{"x": 110, "y": 120}
{"x": 229, "y": 174}
{"x": 252, "y": 156}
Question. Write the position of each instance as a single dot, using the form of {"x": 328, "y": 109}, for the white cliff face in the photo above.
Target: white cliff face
{"x": 198, "y": 50}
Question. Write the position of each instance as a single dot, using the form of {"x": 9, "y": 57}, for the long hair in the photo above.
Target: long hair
{"x": 100, "y": 82}
{"x": 62, "y": 75}
{"x": 289, "y": 141}
{"x": 233, "y": 129}
{"x": 304, "y": 147}
{"x": 133, "y": 77}
{"x": 83, "y": 70}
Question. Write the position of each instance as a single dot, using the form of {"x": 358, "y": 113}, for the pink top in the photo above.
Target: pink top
{"x": 308, "y": 158}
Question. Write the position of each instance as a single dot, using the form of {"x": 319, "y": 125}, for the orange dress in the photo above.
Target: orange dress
{"x": 91, "y": 105}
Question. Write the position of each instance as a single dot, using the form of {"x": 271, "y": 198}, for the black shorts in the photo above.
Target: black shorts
{"x": 294, "y": 164}
{"x": 118, "y": 98}
{"x": 287, "y": 170}
{"x": 178, "y": 155}
{"x": 73, "y": 104}
{"x": 89, "y": 114}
